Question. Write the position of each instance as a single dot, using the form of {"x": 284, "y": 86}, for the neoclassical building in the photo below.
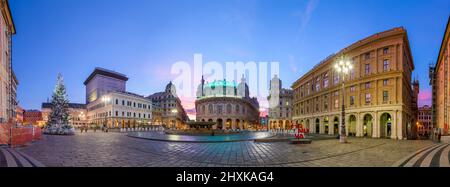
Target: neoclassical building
{"x": 228, "y": 104}
{"x": 167, "y": 108}
{"x": 280, "y": 105}
{"x": 440, "y": 79}
{"x": 8, "y": 81}
{"x": 379, "y": 96}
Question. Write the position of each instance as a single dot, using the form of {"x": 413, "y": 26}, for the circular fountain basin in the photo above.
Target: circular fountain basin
{"x": 162, "y": 136}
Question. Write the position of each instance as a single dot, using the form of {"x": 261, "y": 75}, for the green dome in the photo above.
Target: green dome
{"x": 221, "y": 83}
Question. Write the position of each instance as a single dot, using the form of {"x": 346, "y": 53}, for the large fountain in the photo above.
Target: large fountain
{"x": 202, "y": 132}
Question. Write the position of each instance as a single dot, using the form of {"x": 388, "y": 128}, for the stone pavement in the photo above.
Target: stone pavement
{"x": 436, "y": 155}
{"x": 117, "y": 149}
{"x": 13, "y": 158}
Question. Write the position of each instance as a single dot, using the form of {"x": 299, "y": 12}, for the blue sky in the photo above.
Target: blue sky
{"x": 142, "y": 38}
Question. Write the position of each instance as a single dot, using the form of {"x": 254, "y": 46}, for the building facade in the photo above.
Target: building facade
{"x": 378, "y": 90}
{"x": 109, "y": 104}
{"x": 424, "y": 121}
{"x": 168, "y": 109}
{"x": 227, "y": 104}
{"x": 32, "y": 117}
{"x": 280, "y": 105}
{"x": 77, "y": 113}
{"x": 120, "y": 110}
{"x": 8, "y": 82}
{"x": 440, "y": 79}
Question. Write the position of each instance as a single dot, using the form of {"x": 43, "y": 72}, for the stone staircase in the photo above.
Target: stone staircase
{"x": 14, "y": 158}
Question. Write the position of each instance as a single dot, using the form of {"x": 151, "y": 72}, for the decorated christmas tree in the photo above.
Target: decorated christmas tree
{"x": 58, "y": 120}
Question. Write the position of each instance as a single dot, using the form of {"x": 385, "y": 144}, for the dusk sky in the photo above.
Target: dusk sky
{"x": 143, "y": 38}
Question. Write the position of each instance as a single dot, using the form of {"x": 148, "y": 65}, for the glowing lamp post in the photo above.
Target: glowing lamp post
{"x": 343, "y": 67}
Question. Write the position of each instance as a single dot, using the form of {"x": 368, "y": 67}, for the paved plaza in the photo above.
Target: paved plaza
{"x": 117, "y": 149}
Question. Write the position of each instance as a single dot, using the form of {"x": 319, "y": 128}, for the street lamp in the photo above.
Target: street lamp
{"x": 105, "y": 100}
{"x": 343, "y": 67}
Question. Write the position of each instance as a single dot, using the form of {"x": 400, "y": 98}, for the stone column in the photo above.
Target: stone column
{"x": 394, "y": 125}
{"x": 233, "y": 124}
{"x": 358, "y": 125}
{"x": 375, "y": 125}
{"x": 399, "y": 125}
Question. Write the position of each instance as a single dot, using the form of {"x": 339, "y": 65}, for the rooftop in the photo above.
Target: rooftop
{"x": 105, "y": 72}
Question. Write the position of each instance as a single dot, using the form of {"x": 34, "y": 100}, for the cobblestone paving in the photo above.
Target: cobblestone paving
{"x": 115, "y": 149}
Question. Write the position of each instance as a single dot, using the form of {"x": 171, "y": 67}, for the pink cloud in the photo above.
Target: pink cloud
{"x": 425, "y": 97}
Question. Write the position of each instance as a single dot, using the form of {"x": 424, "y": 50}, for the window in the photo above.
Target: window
{"x": 385, "y": 96}
{"x": 386, "y": 65}
{"x": 386, "y": 50}
{"x": 117, "y": 113}
{"x": 317, "y": 84}
{"x": 336, "y": 103}
{"x": 352, "y": 100}
{"x": 301, "y": 91}
{"x": 368, "y": 98}
{"x": 117, "y": 101}
{"x": 352, "y": 88}
{"x": 367, "y": 56}
{"x": 385, "y": 82}
{"x": 352, "y": 74}
{"x": 367, "y": 69}
{"x": 336, "y": 79}
{"x": 229, "y": 109}
{"x": 210, "y": 109}
{"x": 367, "y": 85}
{"x": 325, "y": 80}
{"x": 123, "y": 102}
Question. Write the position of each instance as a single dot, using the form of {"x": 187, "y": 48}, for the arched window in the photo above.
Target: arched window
{"x": 229, "y": 108}
{"x": 210, "y": 109}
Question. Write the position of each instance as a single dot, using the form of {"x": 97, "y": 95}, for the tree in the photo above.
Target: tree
{"x": 58, "y": 121}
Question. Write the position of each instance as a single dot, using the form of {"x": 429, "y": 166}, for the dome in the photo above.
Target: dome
{"x": 221, "y": 84}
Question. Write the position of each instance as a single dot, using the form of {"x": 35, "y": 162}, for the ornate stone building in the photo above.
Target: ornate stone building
{"x": 440, "y": 79}
{"x": 424, "y": 121}
{"x": 227, "y": 104}
{"x": 378, "y": 90}
{"x": 8, "y": 81}
{"x": 167, "y": 108}
{"x": 280, "y": 105}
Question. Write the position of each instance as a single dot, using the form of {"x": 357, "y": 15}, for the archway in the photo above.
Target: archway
{"x": 280, "y": 124}
{"x": 228, "y": 124}
{"x": 238, "y": 124}
{"x": 219, "y": 123}
{"x": 367, "y": 125}
{"x": 352, "y": 125}
{"x": 385, "y": 125}
{"x": 336, "y": 125}
{"x": 288, "y": 125}
{"x": 317, "y": 126}
{"x": 325, "y": 124}
{"x": 302, "y": 124}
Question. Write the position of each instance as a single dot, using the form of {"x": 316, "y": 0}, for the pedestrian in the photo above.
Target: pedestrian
{"x": 81, "y": 128}
{"x": 439, "y": 136}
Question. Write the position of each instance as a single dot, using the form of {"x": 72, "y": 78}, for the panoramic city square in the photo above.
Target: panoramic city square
{"x": 229, "y": 83}
{"x": 118, "y": 150}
